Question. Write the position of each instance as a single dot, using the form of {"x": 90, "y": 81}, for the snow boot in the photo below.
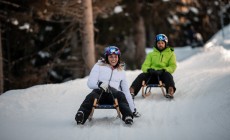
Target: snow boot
{"x": 128, "y": 120}
{"x": 170, "y": 93}
{"x": 79, "y": 117}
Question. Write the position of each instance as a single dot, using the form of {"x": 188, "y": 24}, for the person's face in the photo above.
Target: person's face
{"x": 161, "y": 45}
{"x": 113, "y": 59}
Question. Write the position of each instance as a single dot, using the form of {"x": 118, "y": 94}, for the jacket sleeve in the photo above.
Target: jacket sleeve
{"x": 147, "y": 63}
{"x": 125, "y": 90}
{"x": 172, "y": 64}
{"x": 93, "y": 77}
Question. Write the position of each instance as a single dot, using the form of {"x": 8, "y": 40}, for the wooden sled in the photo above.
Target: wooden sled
{"x": 146, "y": 88}
{"x": 96, "y": 105}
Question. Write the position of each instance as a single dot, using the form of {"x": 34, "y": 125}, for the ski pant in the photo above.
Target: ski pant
{"x": 165, "y": 77}
{"x": 105, "y": 98}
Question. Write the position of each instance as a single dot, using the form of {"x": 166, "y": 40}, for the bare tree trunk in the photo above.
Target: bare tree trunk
{"x": 1, "y": 65}
{"x": 88, "y": 50}
{"x": 139, "y": 36}
{"x": 140, "y": 41}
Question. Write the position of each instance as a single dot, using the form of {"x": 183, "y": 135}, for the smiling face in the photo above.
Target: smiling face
{"x": 113, "y": 59}
{"x": 161, "y": 45}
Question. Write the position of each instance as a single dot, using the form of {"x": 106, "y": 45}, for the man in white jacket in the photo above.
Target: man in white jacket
{"x": 108, "y": 74}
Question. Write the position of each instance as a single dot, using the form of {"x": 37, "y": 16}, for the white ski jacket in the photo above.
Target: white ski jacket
{"x": 116, "y": 78}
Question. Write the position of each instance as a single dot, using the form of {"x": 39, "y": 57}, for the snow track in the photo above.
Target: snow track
{"x": 200, "y": 110}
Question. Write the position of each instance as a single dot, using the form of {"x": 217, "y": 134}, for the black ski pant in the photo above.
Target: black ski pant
{"x": 165, "y": 77}
{"x": 105, "y": 98}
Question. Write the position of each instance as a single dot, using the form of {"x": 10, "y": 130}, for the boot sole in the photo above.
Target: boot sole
{"x": 79, "y": 118}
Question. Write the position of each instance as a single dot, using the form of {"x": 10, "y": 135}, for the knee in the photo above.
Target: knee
{"x": 120, "y": 96}
{"x": 167, "y": 74}
{"x": 93, "y": 94}
{"x": 140, "y": 78}
{"x": 142, "y": 75}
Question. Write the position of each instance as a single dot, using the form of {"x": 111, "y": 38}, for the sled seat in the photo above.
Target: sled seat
{"x": 105, "y": 106}
{"x": 96, "y": 105}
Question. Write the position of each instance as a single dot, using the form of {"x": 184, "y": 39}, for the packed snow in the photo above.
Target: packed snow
{"x": 199, "y": 111}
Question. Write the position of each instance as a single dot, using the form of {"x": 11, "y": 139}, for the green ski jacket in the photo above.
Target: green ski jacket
{"x": 157, "y": 60}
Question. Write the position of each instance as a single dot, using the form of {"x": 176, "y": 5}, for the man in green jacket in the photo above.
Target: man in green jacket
{"x": 161, "y": 61}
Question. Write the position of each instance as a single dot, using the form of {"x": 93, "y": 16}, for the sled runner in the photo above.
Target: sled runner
{"x": 96, "y": 105}
{"x": 146, "y": 88}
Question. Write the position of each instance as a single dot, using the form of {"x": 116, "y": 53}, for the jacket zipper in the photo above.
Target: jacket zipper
{"x": 110, "y": 77}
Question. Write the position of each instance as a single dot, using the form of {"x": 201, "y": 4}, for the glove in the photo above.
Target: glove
{"x": 151, "y": 71}
{"x": 136, "y": 114}
{"x": 103, "y": 86}
{"x": 133, "y": 95}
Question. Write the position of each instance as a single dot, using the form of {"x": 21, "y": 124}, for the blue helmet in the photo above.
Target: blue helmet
{"x": 161, "y": 37}
{"x": 112, "y": 50}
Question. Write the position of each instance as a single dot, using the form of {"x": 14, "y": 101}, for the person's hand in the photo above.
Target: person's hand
{"x": 136, "y": 114}
{"x": 103, "y": 86}
{"x": 151, "y": 71}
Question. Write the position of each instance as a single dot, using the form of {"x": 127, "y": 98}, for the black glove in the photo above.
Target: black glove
{"x": 159, "y": 72}
{"x": 151, "y": 71}
{"x": 136, "y": 114}
{"x": 103, "y": 86}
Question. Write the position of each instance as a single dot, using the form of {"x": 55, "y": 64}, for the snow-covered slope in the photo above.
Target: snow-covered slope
{"x": 200, "y": 110}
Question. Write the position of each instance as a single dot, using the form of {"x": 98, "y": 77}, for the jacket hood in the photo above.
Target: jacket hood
{"x": 102, "y": 62}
